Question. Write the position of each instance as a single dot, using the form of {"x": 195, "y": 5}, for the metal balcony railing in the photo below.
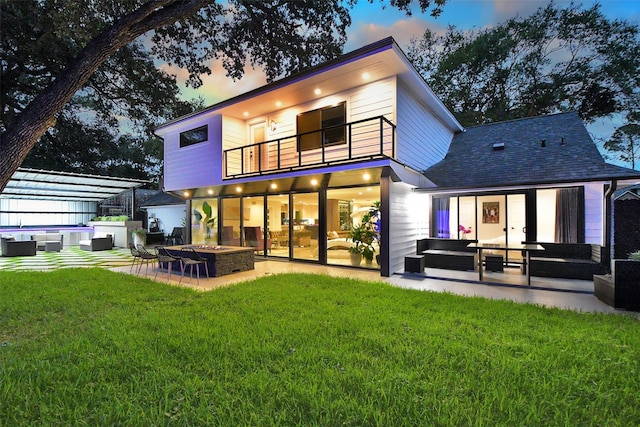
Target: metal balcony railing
{"x": 345, "y": 143}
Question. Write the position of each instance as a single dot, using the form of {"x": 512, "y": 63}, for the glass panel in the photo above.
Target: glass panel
{"x": 278, "y": 224}
{"x": 304, "y": 233}
{"x": 253, "y": 226}
{"x": 204, "y": 222}
{"x": 516, "y": 224}
{"x": 467, "y": 219}
{"x": 546, "y": 215}
{"x": 358, "y": 201}
{"x": 230, "y": 222}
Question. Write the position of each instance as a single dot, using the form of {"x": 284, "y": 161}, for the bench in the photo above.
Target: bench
{"x": 47, "y": 237}
{"x": 450, "y": 254}
{"x": 567, "y": 261}
{"x": 11, "y": 247}
{"x": 98, "y": 243}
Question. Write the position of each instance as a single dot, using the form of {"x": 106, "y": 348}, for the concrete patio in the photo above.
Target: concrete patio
{"x": 509, "y": 285}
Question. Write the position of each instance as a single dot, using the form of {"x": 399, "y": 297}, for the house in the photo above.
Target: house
{"x": 542, "y": 177}
{"x": 164, "y": 212}
{"x": 305, "y": 157}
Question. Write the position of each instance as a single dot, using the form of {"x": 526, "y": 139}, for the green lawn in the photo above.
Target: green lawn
{"x": 93, "y": 347}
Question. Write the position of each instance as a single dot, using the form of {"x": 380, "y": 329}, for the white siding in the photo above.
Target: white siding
{"x": 169, "y": 216}
{"x": 594, "y": 213}
{"x": 364, "y": 102}
{"x": 407, "y": 210}
{"x": 197, "y": 165}
{"x": 422, "y": 139}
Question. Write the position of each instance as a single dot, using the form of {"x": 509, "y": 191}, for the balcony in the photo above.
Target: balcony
{"x": 345, "y": 143}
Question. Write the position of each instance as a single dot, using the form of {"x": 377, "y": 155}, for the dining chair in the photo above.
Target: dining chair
{"x": 135, "y": 254}
{"x": 189, "y": 257}
{"x": 164, "y": 257}
{"x": 146, "y": 257}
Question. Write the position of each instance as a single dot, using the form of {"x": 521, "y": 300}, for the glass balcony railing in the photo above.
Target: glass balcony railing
{"x": 345, "y": 143}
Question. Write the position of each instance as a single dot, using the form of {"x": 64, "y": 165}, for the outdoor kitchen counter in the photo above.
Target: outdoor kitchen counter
{"x": 221, "y": 260}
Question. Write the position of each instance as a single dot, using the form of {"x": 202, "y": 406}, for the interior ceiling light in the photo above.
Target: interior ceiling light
{"x": 317, "y": 91}
{"x": 366, "y": 76}
{"x": 278, "y": 104}
{"x": 246, "y": 114}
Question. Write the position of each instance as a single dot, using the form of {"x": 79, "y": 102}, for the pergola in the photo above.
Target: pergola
{"x": 52, "y": 185}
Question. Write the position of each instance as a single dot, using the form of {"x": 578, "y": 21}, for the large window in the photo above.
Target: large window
{"x": 319, "y": 125}
{"x": 194, "y": 136}
{"x": 345, "y": 209}
{"x": 204, "y": 221}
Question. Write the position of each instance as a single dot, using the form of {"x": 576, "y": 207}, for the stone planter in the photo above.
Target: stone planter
{"x": 356, "y": 259}
{"x": 620, "y": 289}
{"x": 139, "y": 239}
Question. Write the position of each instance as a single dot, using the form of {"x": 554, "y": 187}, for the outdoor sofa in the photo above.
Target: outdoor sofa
{"x": 99, "y": 242}
{"x": 450, "y": 254}
{"x": 12, "y": 247}
{"x": 568, "y": 260}
{"x": 42, "y": 238}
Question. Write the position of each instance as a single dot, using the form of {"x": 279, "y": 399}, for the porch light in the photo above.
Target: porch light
{"x": 274, "y": 185}
{"x": 278, "y": 104}
{"x": 185, "y": 194}
{"x": 314, "y": 182}
{"x": 366, "y": 76}
{"x": 238, "y": 189}
{"x": 366, "y": 177}
{"x": 246, "y": 114}
{"x": 317, "y": 91}
{"x": 210, "y": 192}
{"x": 273, "y": 126}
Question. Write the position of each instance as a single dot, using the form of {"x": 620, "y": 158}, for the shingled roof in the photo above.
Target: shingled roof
{"x": 537, "y": 150}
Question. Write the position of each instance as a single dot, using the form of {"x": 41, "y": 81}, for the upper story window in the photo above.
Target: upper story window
{"x": 322, "y": 118}
{"x": 194, "y": 136}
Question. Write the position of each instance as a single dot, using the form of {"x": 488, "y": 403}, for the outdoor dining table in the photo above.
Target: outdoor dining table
{"x": 527, "y": 248}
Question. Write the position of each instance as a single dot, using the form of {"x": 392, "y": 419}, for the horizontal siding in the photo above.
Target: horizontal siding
{"x": 594, "y": 213}
{"x": 422, "y": 139}
{"x": 198, "y": 165}
{"x": 364, "y": 102}
{"x": 406, "y": 210}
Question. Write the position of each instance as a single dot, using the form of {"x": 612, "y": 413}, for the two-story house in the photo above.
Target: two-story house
{"x": 292, "y": 166}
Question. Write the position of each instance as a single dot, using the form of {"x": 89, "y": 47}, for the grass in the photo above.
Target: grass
{"x": 93, "y": 347}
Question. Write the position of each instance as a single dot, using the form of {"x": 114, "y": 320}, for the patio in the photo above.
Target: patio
{"x": 510, "y": 285}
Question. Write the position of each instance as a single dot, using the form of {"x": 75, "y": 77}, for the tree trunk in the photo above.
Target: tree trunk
{"x": 41, "y": 113}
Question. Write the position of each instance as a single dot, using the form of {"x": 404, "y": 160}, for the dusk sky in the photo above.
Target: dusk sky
{"x": 370, "y": 22}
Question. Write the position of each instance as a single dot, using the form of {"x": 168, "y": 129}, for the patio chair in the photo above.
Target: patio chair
{"x": 146, "y": 257}
{"x": 164, "y": 257}
{"x": 135, "y": 254}
{"x": 189, "y": 257}
{"x": 175, "y": 238}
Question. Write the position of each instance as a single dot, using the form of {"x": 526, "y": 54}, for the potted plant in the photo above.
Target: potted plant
{"x": 139, "y": 236}
{"x": 367, "y": 254}
{"x": 621, "y": 288}
{"x": 355, "y": 235}
{"x": 364, "y": 235}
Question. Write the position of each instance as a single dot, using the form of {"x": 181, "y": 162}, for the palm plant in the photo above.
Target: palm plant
{"x": 208, "y": 220}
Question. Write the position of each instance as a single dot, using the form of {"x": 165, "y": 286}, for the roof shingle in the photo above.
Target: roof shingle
{"x": 568, "y": 154}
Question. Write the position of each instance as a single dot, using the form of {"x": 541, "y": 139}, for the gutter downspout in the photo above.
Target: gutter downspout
{"x": 609, "y": 219}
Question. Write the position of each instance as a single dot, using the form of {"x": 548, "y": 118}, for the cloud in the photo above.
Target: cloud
{"x": 217, "y": 86}
{"x": 506, "y": 9}
{"x": 402, "y": 31}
